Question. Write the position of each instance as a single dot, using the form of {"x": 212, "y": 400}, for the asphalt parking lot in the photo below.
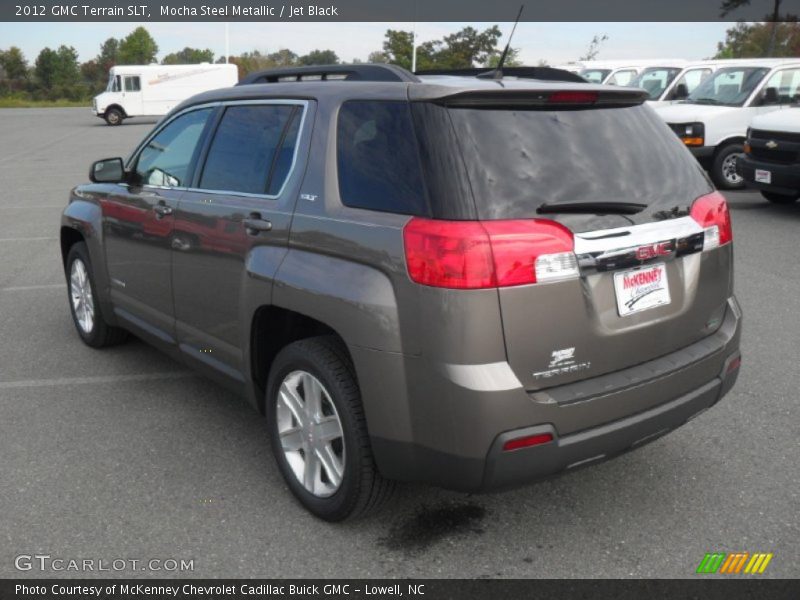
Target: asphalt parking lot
{"x": 123, "y": 454}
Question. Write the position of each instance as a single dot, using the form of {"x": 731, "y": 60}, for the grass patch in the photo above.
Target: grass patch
{"x": 25, "y": 103}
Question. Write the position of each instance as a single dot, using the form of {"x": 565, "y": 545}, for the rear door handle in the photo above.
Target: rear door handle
{"x": 162, "y": 210}
{"x": 255, "y": 225}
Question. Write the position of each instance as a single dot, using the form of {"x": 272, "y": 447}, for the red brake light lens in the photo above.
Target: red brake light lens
{"x": 487, "y": 254}
{"x": 711, "y": 212}
{"x": 527, "y": 441}
{"x": 572, "y": 97}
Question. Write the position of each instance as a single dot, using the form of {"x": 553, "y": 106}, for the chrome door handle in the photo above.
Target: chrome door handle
{"x": 162, "y": 210}
{"x": 255, "y": 225}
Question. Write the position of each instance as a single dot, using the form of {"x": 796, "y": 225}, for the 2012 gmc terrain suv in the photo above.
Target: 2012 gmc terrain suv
{"x": 469, "y": 282}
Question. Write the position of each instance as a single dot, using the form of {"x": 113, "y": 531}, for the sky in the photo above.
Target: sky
{"x": 553, "y": 42}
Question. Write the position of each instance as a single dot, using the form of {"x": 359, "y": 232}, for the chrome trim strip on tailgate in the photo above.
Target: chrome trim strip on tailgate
{"x": 624, "y": 247}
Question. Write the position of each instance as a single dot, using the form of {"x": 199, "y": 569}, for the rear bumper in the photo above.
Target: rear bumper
{"x": 507, "y": 469}
{"x": 785, "y": 178}
{"x": 470, "y": 455}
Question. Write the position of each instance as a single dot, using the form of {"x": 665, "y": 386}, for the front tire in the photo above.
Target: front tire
{"x": 114, "y": 117}
{"x": 779, "y": 198}
{"x": 318, "y": 431}
{"x": 723, "y": 169}
{"x": 83, "y": 302}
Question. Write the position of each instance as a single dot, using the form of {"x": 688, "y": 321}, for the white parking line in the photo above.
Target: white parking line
{"x": 30, "y": 239}
{"x": 25, "y": 288}
{"x": 66, "y": 381}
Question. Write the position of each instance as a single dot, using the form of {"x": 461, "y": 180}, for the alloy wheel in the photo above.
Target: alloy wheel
{"x": 311, "y": 434}
{"x": 80, "y": 291}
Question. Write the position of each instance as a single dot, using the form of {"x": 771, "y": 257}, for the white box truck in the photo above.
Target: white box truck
{"x": 154, "y": 90}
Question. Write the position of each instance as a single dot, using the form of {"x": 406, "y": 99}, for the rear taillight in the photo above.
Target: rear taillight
{"x": 487, "y": 254}
{"x": 711, "y": 212}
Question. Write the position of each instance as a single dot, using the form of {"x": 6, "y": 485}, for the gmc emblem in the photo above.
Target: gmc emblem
{"x": 654, "y": 250}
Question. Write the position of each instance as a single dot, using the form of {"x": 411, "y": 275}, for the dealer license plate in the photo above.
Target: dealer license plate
{"x": 641, "y": 289}
{"x": 763, "y": 176}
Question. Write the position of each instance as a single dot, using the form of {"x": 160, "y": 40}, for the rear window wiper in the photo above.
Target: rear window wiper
{"x": 617, "y": 208}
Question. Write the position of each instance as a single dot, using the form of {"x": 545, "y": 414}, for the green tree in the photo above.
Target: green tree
{"x": 14, "y": 63}
{"x": 138, "y": 48}
{"x": 58, "y": 74}
{"x": 468, "y": 48}
{"x": 512, "y": 59}
{"x": 464, "y": 49}
{"x": 282, "y": 58}
{"x": 189, "y": 56}
{"x": 109, "y": 53}
{"x": 753, "y": 40}
{"x": 319, "y": 57}
{"x": 377, "y": 57}
{"x": 729, "y": 6}
{"x": 397, "y": 48}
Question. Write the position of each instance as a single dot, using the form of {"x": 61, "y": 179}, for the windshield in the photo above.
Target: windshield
{"x": 728, "y": 87}
{"x": 113, "y": 84}
{"x": 655, "y": 80}
{"x": 595, "y": 75}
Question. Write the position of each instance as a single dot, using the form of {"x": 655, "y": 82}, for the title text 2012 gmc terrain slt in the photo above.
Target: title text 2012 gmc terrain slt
{"x": 469, "y": 282}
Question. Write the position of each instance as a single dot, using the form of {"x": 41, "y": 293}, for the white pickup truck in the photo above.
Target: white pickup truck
{"x": 713, "y": 120}
{"x": 771, "y": 161}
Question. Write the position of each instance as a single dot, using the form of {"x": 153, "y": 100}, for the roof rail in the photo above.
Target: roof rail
{"x": 365, "y": 72}
{"x": 546, "y": 73}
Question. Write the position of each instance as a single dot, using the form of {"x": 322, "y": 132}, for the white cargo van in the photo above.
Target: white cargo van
{"x": 153, "y": 90}
{"x": 713, "y": 120}
{"x": 771, "y": 161}
{"x": 622, "y": 72}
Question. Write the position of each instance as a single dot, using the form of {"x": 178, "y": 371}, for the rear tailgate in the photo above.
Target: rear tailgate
{"x": 619, "y": 180}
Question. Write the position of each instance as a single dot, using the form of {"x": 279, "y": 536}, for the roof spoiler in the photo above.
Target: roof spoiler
{"x": 541, "y": 73}
{"x": 366, "y": 72}
{"x": 543, "y": 98}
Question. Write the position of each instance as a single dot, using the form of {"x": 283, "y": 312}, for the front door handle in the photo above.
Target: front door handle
{"x": 162, "y": 210}
{"x": 255, "y": 224}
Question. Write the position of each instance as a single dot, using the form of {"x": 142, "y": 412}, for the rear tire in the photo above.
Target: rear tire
{"x": 779, "y": 198}
{"x": 723, "y": 169}
{"x": 330, "y": 471}
{"x": 83, "y": 302}
{"x": 114, "y": 116}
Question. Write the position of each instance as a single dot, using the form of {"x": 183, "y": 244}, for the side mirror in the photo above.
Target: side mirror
{"x": 681, "y": 92}
{"x": 770, "y": 96}
{"x": 108, "y": 170}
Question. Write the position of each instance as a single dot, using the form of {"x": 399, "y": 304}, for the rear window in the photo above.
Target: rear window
{"x": 517, "y": 160}
{"x": 378, "y": 159}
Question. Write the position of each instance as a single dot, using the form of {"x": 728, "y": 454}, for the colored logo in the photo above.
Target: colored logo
{"x": 734, "y": 563}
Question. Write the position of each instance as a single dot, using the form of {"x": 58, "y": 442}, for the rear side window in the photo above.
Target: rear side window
{"x": 378, "y": 158}
{"x": 133, "y": 84}
{"x": 253, "y": 149}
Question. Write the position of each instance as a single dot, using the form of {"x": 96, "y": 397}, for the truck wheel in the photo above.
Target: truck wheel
{"x": 779, "y": 198}
{"x": 318, "y": 431}
{"x": 86, "y": 312}
{"x": 114, "y": 116}
{"x": 723, "y": 170}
